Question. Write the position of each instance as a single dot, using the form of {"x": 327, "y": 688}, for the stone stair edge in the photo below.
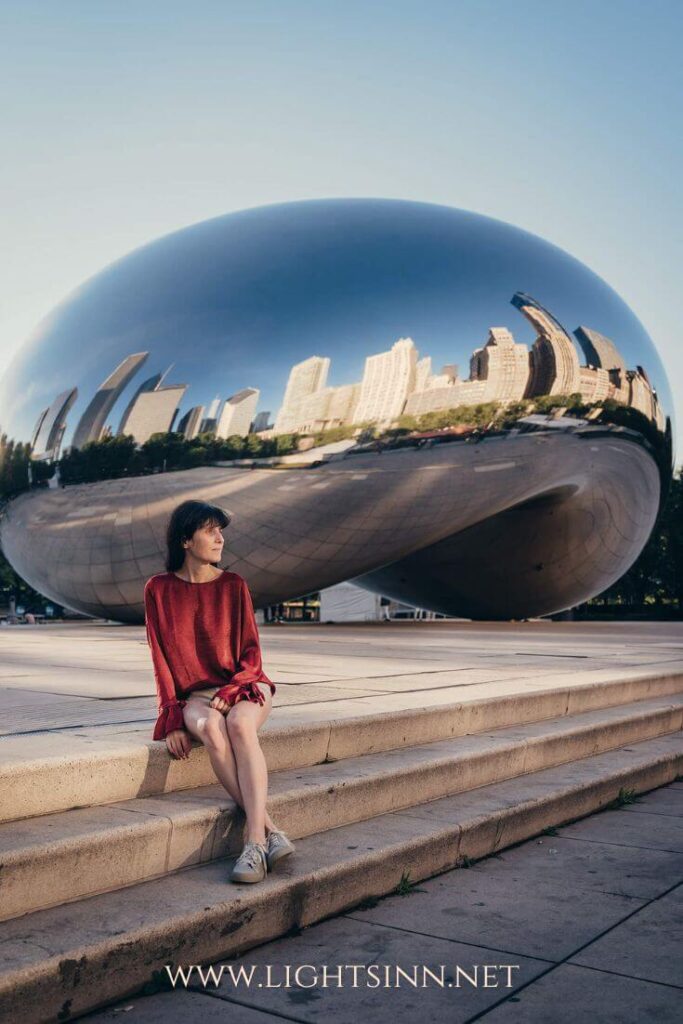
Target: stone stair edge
{"x": 115, "y": 741}
{"x": 146, "y": 768}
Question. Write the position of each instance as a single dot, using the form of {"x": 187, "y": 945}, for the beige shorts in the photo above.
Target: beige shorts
{"x": 207, "y": 693}
{"x": 203, "y": 696}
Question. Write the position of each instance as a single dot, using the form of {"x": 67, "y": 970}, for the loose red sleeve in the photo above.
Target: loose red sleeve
{"x": 249, "y": 668}
{"x": 170, "y": 708}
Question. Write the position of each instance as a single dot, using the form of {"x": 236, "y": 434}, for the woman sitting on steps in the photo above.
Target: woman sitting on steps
{"x": 206, "y": 654}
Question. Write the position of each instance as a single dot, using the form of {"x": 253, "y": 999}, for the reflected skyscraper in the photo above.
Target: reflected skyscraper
{"x": 599, "y": 351}
{"x": 388, "y": 379}
{"x": 190, "y": 423}
{"x": 305, "y": 378}
{"x": 93, "y": 419}
{"x": 153, "y": 412}
{"x": 210, "y": 421}
{"x": 52, "y": 424}
{"x": 553, "y": 360}
{"x": 148, "y": 385}
{"x": 328, "y": 408}
{"x": 504, "y": 364}
{"x": 261, "y": 421}
{"x": 36, "y": 430}
{"x": 237, "y": 413}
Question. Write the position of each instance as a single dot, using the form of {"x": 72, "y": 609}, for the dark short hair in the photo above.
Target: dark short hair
{"x": 185, "y": 519}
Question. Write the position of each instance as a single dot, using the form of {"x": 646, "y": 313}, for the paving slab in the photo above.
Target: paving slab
{"x": 183, "y": 1006}
{"x": 661, "y": 801}
{"x": 514, "y": 913}
{"x": 570, "y": 994}
{"x": 646, "y": 830}
{"x": 647, "y": 946}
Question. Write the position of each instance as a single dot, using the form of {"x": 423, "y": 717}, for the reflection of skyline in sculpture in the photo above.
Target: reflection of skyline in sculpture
{"x": 395, "y": 382}
{"x": 92, "y": 421}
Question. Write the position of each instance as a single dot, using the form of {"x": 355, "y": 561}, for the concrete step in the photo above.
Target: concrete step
{"x": 63, "y": 962}
{"x": 105, "y": 766}
{"x": 52, "y": 859}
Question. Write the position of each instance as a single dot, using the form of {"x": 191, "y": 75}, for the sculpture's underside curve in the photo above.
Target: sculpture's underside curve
{"x": 507, "y": 527}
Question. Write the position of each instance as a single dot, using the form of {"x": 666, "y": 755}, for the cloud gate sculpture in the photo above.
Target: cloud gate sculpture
{"x": 441, "y": 407}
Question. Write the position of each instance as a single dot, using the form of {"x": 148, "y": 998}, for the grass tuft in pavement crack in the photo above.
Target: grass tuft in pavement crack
{"x": 626, "y": 796}
{"x": 405, "y": 886}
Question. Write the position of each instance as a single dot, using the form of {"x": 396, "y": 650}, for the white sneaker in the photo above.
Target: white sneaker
{"x": 277, "y": 847}
{"x": 251, "y": 865}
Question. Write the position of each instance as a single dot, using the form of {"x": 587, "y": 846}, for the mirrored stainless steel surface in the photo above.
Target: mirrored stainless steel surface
{"x": 491, "y": 426}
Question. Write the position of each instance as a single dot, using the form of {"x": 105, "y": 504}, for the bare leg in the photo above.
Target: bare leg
{"x": 209, "y": 727}
{"x": 242, "y": 721}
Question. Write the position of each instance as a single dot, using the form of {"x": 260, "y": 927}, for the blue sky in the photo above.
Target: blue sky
{"x": 123, "y": 121}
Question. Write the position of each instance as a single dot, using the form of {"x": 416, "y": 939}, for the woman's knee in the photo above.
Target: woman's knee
{"x": 241, "y": 728}
{"x": 212, "y": 730}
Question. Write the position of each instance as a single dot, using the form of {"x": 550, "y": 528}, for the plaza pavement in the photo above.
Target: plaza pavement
{"x": 61, "y": 681}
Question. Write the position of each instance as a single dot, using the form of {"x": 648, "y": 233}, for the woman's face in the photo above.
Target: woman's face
{"x": 206, "y": 543}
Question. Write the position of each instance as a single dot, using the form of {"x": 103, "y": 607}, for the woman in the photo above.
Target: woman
{"x": 210, "y": 682}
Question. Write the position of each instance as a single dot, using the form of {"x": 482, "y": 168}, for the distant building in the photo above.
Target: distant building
{"x": 209, "y": 422}
{"x": 237, "y": 413}
{"x": 329, "y": 407}
{"x": 346, "y": 602}
{"x": 305, "y": 378}
{"x": 36, "y": 430}
{"x": 148, "y": 385}
{"x": 260, "y": 421}
{"x": 190, "y": 423}
{"x": 503, "y": 364}
{"x": 594, "y": 384}
{"x": 154, "y": 412}
{"x": 423, "y": 371}
{"x": 388, "y": 379}
{"x": 499, "y": 372}
{"x": 212, "y": 411}
{"x": 449, "y": 396}
{"x": 92, "y": 421}
{"x": 641, "y": 395}
{"x": 553, "y": 360}
{"x": 599, "y": 351}
{"x": 51, "y": 425}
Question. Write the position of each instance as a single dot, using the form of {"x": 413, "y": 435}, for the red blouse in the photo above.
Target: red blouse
{"x": 201, "y": 634}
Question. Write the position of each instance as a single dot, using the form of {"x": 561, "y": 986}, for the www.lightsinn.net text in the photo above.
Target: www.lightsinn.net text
{"x": 269, "y": 976}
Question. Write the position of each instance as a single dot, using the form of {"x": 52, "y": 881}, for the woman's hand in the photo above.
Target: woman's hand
{"x": 178, "y": 744}
{"x": 220, "y": 705}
